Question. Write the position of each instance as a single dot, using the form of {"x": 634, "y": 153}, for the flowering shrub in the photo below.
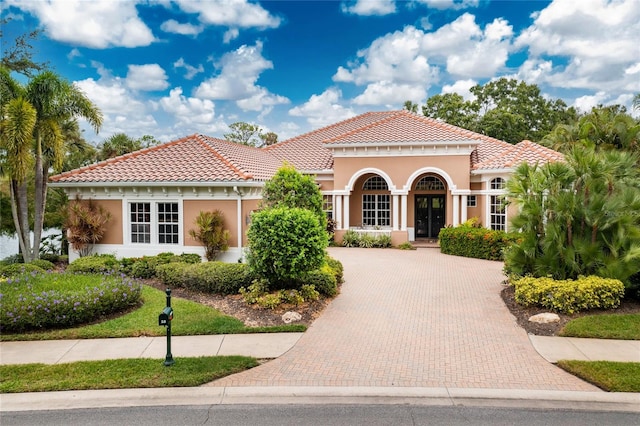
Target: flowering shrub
{"x": 469, "y": 241}
{"x": 37, "y": 301}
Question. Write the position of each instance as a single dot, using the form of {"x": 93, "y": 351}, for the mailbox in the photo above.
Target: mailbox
{"x": 165, "y": 316}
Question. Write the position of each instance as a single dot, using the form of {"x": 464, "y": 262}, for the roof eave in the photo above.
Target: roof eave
{"x": 468, "y": 142}
{"x": 116, "y": 184}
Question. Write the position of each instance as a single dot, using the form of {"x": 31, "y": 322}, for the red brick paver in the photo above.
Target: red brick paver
{"x": 413, "y": 318}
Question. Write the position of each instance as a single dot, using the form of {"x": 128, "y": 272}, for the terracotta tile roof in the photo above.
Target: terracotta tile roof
{"x": 527, "y": 151}
{"x": 405, "y": 126}
{"x": 307, "y": 151}
{"x": 194, "y": 158}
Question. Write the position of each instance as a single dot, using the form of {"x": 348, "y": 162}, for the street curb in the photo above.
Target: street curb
{"x": 541, "y": 399}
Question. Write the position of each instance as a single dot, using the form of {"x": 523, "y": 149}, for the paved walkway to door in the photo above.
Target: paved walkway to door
{"x": 413, "y": 318}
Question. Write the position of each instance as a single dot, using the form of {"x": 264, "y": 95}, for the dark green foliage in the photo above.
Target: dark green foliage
{"x": 94, "y": 264}
{"x": 210, "y": 277}
{"x": 480, "y": 243}
{"x": 353, "y": 238}
{"x": 145, "y": 267}
{"x": 43, "y": 264}
{"x": 286, "y": 243}
{"x": 51, "y": 257}
{"x": 577, "y": 218}
{"x": 16, "y": 269}
{"x": 14, "y": 258}
{"x": 189, "y": 258}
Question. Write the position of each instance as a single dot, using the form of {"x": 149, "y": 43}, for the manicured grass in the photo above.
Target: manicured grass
{"x": 610, "y": 376}
{"x": 189, "y": 319}
{"x": 119, "y": 374}
{"x": 609, "y": 326}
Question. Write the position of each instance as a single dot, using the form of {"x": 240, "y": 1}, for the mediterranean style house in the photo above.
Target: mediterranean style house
{"x": 392, "y": 172}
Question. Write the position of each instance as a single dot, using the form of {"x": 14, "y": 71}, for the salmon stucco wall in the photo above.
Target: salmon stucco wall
{"x": 248, "y": 206}
{"x": 114, "y": 226}
{"x": 192, "y": 208}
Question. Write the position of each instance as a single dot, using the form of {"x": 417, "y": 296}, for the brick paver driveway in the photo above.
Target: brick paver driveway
{"x": 413, "y": 318}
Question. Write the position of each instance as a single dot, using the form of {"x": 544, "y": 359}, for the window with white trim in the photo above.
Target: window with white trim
{"x": 498, "y": 213}
{"x": 472, "y": 201}
{"x": 430, "y": 183}
{"x": 327, "y": 205}
{"x": 154, "y": 223}
{"x": 376, "y": 208}
{"x": 497, "y": 183}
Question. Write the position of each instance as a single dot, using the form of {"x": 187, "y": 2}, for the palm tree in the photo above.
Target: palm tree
{"x": 40, "y": 143}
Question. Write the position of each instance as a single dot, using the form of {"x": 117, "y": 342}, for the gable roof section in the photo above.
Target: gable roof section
{"x": 195, "y": 158}
{"x": 528, "y": 151}
{"x": 307, "y": 151}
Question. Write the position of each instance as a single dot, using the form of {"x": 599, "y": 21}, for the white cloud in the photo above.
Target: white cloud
{"x": 449, "y": 4}
{"x": 97, "y": 24}
{"x": 232, "y": 13}
{"x": 191, "y": 70}
{"x": 230, "y": 34}
{"x": 324, "y": 109}
{"x": 175, "y": 27}
{"x": 239, "y": 72}
{"x": 461, "y": 87}
{"x": 147, "y": 77}
{"x": 188, "y": 110}
{"x": 74, "y": 53}
{"x": 585, "y": 103}
{"x": 591, "y": 43}
{"x": 369, "y": 7}
{"x": 388, "y": 93}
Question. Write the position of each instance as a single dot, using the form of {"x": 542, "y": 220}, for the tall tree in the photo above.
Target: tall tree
{"x": 505, "y": 109}
{"x": 250, "y": 135}
{"x": 18, "y": 57}
{"x": 32, "y": 118}
{"x": 410, "y": 106}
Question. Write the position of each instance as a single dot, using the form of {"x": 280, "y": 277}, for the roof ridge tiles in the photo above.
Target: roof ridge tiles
{"x": 120, "y": 158}
{"x": 227, "y": 161}
{"x": 392, "y": 114}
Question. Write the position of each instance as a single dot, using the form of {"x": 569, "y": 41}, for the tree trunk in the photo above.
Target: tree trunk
{"x": 40, "y": 200}
{"x": 20, "y": 216}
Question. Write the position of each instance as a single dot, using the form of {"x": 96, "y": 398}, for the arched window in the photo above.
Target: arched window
{"x": 375, "y": 183}
{"x": 430, "y": 183}
{"x": 497, "y": 183}
{"x": 376, "y": 208}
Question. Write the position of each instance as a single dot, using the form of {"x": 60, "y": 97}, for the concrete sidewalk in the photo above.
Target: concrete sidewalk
{"x": 264, "y": 345}
{"x": 267, "y": 345}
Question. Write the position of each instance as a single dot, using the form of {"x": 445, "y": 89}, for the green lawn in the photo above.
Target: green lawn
{"x": 609, "y": 326}
{"x": 119, "y": 374}
{"x": 189, "y": 318}
{"x": 608, "y": 375}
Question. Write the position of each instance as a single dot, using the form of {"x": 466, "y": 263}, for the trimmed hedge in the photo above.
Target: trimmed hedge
{"x": 569, "y": 296}
{"x": 323, "y": 280}
{"x": 211, "y": 277}
{"x": 15, "y": 269}
{"x": 95, "y": 264}
{"x": 480, "y": 243}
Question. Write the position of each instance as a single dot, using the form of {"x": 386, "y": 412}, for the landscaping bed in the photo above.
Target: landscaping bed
{"x": 251, "y": 315}
{"x": 523, "y": 314}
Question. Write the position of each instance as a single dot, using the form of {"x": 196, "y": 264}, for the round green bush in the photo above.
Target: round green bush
{"x": 94, "y": 264}
{"x": 43, "y": 301}
{"x": 337, "y": 268}
{"x": 323, "y": 280}
{"x": 43, "y": 264}
{"x": 285, "y": 244}
{"x": 218, "y": 277}
{"x": 173, "y": 274}
{"x": 15, "y": 269}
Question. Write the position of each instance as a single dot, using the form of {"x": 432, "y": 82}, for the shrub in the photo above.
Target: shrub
{"x": 45, "y": 265}
{"x": 336, "y": 267}
{"x": 352, "y": 238}
{"x": 51, "y": 257}
{"x": 270, "y": 300}
{"x": 406, "y": 246}
{"x": 16, "y": 269}
{"x": 256, "y": 290}
{"x": 323, "y": 280}
{"x": 292, "y": 297}
{"x": 480, "y": 243}
{"x": 14, "y": 258}
{"x": 211, "y": 233}
{"x": 218, "y": 277}
{"x": 569, "y": 296}
{"x": 309, "y": 292}
{"x": 94, "y": 264}
{"x": 50, "y": 300}
{"x": 145, "y": 267}
{"x": 173, "y": 274}
{"x": 189, "y": 258}
{"x": 285, "y": 243}
{"x": 86, "y": 224}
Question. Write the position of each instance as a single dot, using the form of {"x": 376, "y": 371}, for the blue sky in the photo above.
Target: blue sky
{"x": 173, "y": 68}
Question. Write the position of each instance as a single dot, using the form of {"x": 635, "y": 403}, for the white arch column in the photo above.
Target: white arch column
{"x": 346, "y": 212}
{"x": 463, "y": 216}
{"x": 395, "y": 213}
{"x": 456, "y": 209}
{"x": 403, "y": 215}
{"x": 338, "y": 211}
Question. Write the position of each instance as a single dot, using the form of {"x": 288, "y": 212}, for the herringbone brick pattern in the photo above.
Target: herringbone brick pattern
{"x": 413, "y": 318}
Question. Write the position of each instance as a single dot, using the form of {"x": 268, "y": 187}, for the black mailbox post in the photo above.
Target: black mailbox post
{"x": 165, "y": 318}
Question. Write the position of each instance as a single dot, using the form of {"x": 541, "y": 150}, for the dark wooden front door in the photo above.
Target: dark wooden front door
{"x": 430, "y": 214}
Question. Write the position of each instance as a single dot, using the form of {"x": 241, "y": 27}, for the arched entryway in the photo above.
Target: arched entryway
{"x": 429, "y": 206}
